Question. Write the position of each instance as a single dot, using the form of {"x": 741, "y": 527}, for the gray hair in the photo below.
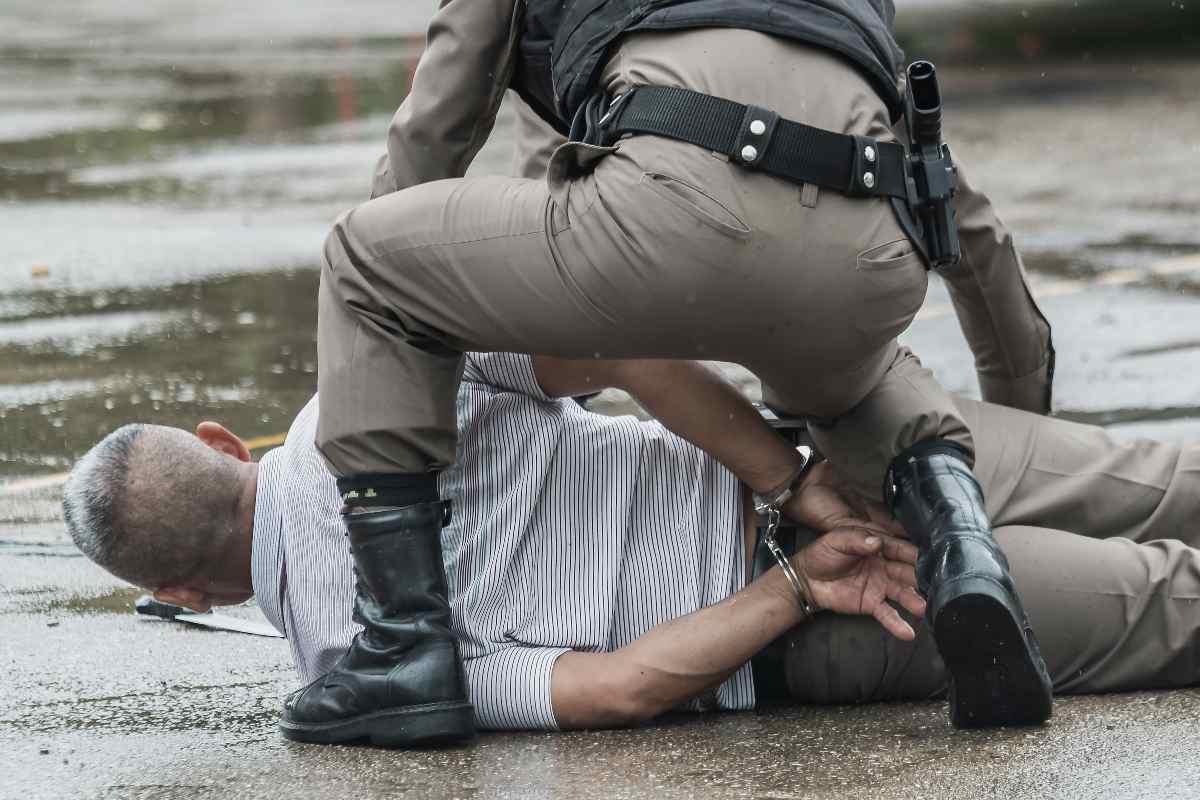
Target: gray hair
{"x": 152, "y": 505}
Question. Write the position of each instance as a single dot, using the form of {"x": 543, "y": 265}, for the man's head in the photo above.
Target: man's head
{"x": 167, "y": 510}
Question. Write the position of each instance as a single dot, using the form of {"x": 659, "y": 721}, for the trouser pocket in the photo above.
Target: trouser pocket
{"x": 892, "y": 282}
{"x": 698, "y": 204}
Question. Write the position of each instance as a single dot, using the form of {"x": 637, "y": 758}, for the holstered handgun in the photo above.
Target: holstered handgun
{"x": 934, "y": 176}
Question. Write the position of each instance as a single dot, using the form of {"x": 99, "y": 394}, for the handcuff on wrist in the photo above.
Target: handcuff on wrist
{"x": 770, "y": 505}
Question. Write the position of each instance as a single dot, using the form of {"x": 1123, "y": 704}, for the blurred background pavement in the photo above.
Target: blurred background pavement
{"x": 168, "y": 172}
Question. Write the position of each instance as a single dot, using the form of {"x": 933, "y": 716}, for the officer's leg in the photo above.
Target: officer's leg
{"x": 906, "y": 405}
{"x": 410, "y": 281}
{"x": 413, "y": 279}
{"x": 1112, "y": 615}
{"x": 402, "y": 276}
{"x": 979, "y": 624}
{"x": 1053, "y": 473}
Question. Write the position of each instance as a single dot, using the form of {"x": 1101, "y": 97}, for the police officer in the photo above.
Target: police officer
{"x": 652, "y": 246}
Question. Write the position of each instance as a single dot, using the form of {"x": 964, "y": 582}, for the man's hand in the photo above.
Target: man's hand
{"x": 825, "y": 501}
{"x": 854, "y": 570}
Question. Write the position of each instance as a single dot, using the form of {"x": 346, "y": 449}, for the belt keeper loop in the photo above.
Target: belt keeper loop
{"x": 864, "y": 174}
{"x": 754, "y": 137}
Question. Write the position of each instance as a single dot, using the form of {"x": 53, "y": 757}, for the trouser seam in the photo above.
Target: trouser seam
{"x": 457, "y": 242}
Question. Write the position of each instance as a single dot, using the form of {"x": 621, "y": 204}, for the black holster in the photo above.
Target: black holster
{"x": 929, "y": 214}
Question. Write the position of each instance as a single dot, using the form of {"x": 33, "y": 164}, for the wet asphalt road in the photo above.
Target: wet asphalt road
{"x": 167, "y": 174}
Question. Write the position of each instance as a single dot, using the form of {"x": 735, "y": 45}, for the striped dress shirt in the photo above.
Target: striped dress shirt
{"x": 571, "y": 531}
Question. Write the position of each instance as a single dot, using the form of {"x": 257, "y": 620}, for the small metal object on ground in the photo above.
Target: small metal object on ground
{"x": 149, "y": 607}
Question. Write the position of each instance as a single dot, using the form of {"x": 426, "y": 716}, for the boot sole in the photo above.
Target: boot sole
{"x": 997, "y": 675}
{"x": 418, "y": 726}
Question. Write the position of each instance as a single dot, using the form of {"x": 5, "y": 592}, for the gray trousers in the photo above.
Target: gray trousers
{"x": 1100, "y": 536}
{"x": 651, "y": 249}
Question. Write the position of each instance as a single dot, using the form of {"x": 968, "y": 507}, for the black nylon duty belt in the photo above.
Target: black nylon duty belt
{"x": 759, "y": 139}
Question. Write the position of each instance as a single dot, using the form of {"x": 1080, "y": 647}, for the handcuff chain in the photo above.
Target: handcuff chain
{"x": 803, "y": 596}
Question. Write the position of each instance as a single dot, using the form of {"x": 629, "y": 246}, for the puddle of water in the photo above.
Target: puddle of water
{"x": 77, "y": 334}
{"x": 116, "y": 601}
{"x": 264, "y": 97}
{"x": 172, "y": 172}
{"x": 241, "y": 350}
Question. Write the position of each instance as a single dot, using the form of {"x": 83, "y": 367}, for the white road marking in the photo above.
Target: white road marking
{"x": 29, "y": 485}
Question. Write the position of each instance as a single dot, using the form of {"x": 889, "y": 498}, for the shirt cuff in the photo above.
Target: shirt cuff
{"x": 1031, "y": 392}
{"x": 510, "y": 688}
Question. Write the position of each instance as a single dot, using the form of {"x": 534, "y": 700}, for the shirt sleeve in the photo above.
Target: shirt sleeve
{"x": 456, "y": 93}
{"x": 510, "y": 372}
{"x": 510, "y": 688}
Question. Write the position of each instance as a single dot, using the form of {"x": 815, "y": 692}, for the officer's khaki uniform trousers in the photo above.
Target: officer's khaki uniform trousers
{"x": 654, "y": 248}
{"x": 1100, "y": 536}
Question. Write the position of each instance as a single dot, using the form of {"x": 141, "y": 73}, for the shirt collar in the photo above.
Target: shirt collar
{"x": 266, "y": 548}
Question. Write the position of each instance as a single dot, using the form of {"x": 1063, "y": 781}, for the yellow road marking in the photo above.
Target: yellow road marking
{"x": 259, "y": 442}
{"x": 1060, "y": 288}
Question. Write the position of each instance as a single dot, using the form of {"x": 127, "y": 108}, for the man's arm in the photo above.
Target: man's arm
{"x": 691, "y": 399}
{"x": 849, "y": 570}
{"x": 695, "y": 402}
{"x": 456, "y": 92}
{"x": 1006, "y": 330}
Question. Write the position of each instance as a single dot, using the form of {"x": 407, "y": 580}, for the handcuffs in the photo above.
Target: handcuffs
{"x": 770, "y": 505}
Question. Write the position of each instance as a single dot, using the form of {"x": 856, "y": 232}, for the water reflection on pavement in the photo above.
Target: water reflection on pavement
{"x": 167, "y": 176}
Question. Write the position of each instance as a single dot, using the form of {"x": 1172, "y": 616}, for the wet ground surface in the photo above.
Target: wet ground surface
{"x": 167, "y": 175}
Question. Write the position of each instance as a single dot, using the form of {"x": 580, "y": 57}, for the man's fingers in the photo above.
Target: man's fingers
{"x": 893, "y": 623}
{"x": 908, "y": 598}
{"x": 899, "y": 550}
{"x": 855, "y": 541}
{"x": 901, "y": 574}
{"x": 861, "y": 539}
{"x": 853, "y": 520}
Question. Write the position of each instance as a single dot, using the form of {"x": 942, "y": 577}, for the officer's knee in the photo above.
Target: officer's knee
{"x": 341, "y": 254}
{"x": 353, "y": 275}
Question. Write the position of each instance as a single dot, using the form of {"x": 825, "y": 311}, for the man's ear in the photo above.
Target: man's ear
{"x": 219, "y": 438}
{"x": 183, "y": 596}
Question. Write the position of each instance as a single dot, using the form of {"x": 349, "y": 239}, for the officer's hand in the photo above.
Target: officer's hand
{"x": 852, "y": 570}
{"x": 826, "y": 500}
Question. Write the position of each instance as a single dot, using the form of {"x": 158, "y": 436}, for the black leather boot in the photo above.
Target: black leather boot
{"x": 400, "y": 683}
{"x": 996, "y": 672}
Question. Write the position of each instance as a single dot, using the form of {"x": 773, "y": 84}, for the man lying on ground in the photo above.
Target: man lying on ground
{"x": 598, "y": 565}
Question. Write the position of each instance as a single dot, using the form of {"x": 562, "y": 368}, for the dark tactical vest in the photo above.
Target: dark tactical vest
{"x": 565, "y": 43}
